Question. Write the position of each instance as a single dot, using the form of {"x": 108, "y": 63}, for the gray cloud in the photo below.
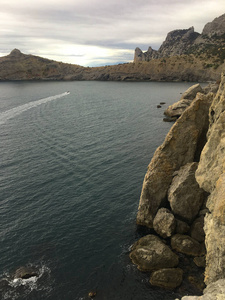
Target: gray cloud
{"x": 63, "y": 28}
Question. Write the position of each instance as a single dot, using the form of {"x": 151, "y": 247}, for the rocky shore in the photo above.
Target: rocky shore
{"x": 182, "y": 197}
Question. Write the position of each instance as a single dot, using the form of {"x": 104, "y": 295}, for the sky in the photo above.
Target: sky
{"x": 97, "y": 32}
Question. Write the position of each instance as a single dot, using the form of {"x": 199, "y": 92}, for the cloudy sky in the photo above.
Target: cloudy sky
{"x": 97, "y": 32}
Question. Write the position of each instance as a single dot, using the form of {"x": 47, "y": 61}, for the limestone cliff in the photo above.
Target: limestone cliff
{"x": 211, "y": 177}
{"x": 176, "y": 151}
{"x": 180, "y": 176}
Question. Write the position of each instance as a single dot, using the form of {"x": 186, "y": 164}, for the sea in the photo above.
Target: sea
{"x": 73, "y": 156}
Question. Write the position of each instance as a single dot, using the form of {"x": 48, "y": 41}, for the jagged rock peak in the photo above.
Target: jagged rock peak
{"x": 216, "y": 27}
{"x": 15, "y": 52}
{"x": 144, "y": 56}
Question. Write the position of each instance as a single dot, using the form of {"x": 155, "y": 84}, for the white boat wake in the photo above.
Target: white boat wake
{"x": 11, "y": 113}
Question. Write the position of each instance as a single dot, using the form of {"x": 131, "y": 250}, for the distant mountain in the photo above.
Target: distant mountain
{"x": 185, "y": 55}
{"x": 211, "y": 43}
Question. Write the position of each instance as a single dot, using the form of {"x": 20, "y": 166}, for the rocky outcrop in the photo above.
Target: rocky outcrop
{"x": 25, "y": 272}
{"x": 176, "y": 151}
{"x": 217, "y": 27}
{"x": 144, "y": 56}
{"x": 175, "y": 110}
{"x": 191, "y": 93}
{"x": 177, "y": 42}
{"x": 150, "y": 253}
{"x": 187, "y": 41}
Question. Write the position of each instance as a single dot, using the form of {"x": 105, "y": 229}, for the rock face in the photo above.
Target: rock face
{"x": 217, "y": 27}
{"x": 167, "y": 278}
{"x": 212, "y": 163}
{"x": 150, "y": 253}
{"x": 179, "y": 42}
{"x": 184, "y": 194}
{"x": 211, "y": 177}
{"x": 175, "y": 152}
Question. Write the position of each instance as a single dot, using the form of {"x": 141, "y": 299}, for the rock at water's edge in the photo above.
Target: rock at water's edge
{"x": 167, "y": 278}
{"x": 150, "y": 253}
{"x": 25, "y": 272}
{"x": 164, "y": 223}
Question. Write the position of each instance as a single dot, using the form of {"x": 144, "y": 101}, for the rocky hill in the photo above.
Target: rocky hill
{"x": 184, "y": 56}
{"x": 210, "y": 43}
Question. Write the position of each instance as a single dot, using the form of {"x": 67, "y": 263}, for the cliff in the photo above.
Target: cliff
{"x": 186, "y": 181}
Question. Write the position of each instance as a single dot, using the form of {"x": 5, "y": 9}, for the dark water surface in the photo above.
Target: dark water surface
{"x": 72, "y": 167}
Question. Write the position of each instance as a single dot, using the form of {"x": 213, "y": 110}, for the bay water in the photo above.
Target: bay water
{"x": 73, "y": 158}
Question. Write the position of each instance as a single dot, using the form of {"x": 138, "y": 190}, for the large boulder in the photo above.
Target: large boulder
{"x": 164, "y": 223}
{"x": 167, "y": 278}
{"x": 176, "y": 109}
{"x": 150, "y": 253}
{"x": 184, "y": 140}
{"x": 186, "y": 245}
{"x": 184, "y": 194}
